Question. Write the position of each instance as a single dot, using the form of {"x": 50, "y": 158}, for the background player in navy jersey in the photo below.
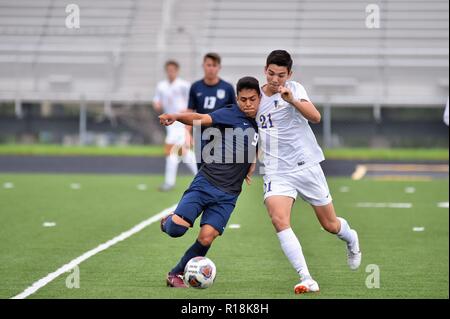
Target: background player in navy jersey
{"x": 216, "y": 187}
{"x": 210, "y": 93}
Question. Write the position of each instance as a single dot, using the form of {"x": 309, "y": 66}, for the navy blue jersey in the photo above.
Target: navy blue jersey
{"x": 232, "y": 148}
{"x": 205, "y": 99}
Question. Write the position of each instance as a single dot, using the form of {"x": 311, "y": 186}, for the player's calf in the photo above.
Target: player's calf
{"x": 332, "y": 227}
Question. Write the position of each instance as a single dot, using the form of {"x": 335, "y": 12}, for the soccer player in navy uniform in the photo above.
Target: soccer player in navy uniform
{"x": 216, "y": 187}
{"x": 210, "y": 93}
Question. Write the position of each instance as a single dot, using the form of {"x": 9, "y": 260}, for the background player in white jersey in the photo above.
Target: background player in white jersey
{"x": 172, "y": 97}
{"x": 292, "y": 156}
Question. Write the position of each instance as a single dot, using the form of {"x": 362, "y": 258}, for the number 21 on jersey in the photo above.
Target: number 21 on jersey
{"x": 267, "y": 187}
{"x": 266, "y": 121}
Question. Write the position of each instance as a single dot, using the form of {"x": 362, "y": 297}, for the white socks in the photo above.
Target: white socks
{"x": 171, "y": 169}
{"x": 345, "y": 232}
{"x": 172, "y": 162}
{"x": 293, "y": 251}
{"x": 190, "y": 160}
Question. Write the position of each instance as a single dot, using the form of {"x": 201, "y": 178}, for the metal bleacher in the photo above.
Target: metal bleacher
{"x": 118, "y": 53}
{"x": 42, "y": 59}
{"x": 339, "y": 59}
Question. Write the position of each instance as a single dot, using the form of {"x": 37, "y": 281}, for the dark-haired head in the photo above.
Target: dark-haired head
{"x": 172, "y": 67}
{"x": 280, "y": 58}
{"x": 172, "y": 63}
{"x": 249, "y": 83}
{"x": 211, "y": 68}
{"x": 248, "y": 95}
{"x": 278, "y": 70}
{"x": 213, "y": 56}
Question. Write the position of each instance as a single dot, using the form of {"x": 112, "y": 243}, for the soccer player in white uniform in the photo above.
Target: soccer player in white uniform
{"x": 446, "y": 117}
{"x": 291, "y": 158}
{"x": 172, "y": 97}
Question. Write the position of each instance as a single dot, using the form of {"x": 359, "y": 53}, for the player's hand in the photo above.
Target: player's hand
{"x": 286, "y": 94}
{"x": 251, "y": 171}
{"x": 167, "y": 119}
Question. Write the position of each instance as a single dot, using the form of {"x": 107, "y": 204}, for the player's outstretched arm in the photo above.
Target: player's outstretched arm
{"x": 185, "y": 118}
{"x": 306, "y": 108}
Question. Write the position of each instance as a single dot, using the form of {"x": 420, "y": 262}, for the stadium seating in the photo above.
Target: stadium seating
{"x": 118, "y": 52}
{"x": 405, "y": 62}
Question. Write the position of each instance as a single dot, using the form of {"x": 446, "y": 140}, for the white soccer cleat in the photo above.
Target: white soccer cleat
{"x": 354, "y": 253}
{"x": 306, "y": 285}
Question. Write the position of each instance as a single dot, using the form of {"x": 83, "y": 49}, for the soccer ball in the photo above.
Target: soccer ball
{"x": 200, "y": 272}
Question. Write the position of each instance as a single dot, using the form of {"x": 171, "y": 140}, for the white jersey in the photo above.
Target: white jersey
{"x": 173, "y": 96}
{"x": 287, "y": 142}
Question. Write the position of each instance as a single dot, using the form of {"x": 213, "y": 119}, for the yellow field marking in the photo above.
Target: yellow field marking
{"x": 409, "y": 178}
{"x": 408, "y": 168}
{"x": 360, "y": 172}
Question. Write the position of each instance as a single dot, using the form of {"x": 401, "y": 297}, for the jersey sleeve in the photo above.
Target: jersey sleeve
{"x": 186, "y": 91}
{"x": 446, "y": 114}
{"x": 222, "y": 117}
{"x": 300, "y": 92}
{"x": 158, "y": 94}
{"x": 192, "y": 102}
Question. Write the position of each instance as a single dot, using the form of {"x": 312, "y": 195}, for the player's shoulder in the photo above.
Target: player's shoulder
{"x": 183, "y": 82}
{"x": 200, "y": 82}
{"x": 197, "y": 84}
{"x": 162, "y": 84}
{"x": 294, "y": 85}
{"x": 225, "y": 84}
{"x": 228, "y": 108}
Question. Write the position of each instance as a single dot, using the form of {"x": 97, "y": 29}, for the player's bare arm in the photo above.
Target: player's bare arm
{"x": 306, "y": 108}
{"x": 185, "y": 118}
{"x": 251, "y": 171}
{"x": 157, "y": 106}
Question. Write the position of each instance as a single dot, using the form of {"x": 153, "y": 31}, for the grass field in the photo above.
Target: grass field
{"x": 157, "y": 150}
{"x": 249, "y": 260}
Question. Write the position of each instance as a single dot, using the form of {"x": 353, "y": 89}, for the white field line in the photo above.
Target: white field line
{"x": 67, "y": 267}
{"x": 384, "y": 205}
{"x": 443, "y": 205}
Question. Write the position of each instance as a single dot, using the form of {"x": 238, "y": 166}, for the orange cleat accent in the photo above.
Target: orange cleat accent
{"x": 300, "y": 289}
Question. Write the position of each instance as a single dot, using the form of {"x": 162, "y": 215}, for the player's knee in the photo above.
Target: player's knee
{"x": 206, "y": 239}
{"x": 174, "y": 230}
{"x": 279, "y": 222}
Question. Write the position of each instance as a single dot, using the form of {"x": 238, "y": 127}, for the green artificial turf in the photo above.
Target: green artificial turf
{"x": 250, "y": 263}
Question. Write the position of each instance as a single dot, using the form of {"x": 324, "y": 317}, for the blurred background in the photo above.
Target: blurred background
{"x": 380, "y": 87}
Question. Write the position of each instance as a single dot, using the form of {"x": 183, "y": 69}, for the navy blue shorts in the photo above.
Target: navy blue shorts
{"x": 202, "y": 196}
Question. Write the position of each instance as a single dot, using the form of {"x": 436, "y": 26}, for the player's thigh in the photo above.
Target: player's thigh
{"x": 218, "y": 213}
{"x": 279, "y": 196}
{"x": 168, "y": 149}
{"x": 176, "y": 136}
{"x": 279, "y": 208}
{"x": 279, "y": 185}
{"x": 312, "y": 186}
{"x": 194, "y": 200}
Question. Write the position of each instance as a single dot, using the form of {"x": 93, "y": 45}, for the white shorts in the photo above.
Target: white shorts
{"x": 176, "y": 134}
{"x": 310, "y": 183}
